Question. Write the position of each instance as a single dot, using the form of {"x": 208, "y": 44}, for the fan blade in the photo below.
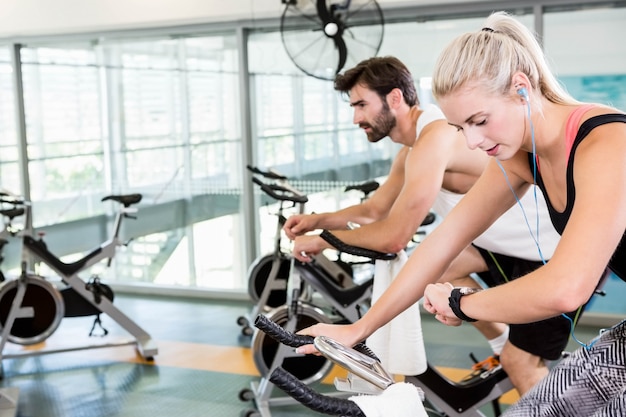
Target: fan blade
{"x": 343, "y": 52}
{"x": 323, "y": 12}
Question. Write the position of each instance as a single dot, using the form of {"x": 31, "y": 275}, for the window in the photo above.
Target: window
{"x": 154, "y": 116}
{"x": 584, "y": 52}
{"x": 10, "y": 178}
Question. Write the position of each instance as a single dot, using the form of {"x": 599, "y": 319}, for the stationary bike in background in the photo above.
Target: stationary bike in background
{"x": 315, "y": 293}
{"x": 268, "y": 274}
{"x": 8, "y": 214}
{"x": 31, "y": 307}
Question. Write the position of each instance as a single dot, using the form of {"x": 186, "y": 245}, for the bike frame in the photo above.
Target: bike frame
{"x": 35, "y": 250}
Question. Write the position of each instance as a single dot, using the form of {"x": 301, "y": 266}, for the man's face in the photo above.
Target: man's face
{"x": 371, "y": 113}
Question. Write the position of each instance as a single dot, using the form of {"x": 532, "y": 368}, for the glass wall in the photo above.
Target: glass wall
{"x": 65, "y": 131}
{"x": 10, "y": 178}
{"x": 158, "y": 117}
{"x": 584, "y": 52}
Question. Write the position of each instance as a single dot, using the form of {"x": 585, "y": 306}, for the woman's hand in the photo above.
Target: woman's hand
{"x": 436, "y": 302}
{"x": 342, "y": 333}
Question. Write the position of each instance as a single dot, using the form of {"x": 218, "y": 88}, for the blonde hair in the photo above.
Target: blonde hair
{"x": 489, "y": 58}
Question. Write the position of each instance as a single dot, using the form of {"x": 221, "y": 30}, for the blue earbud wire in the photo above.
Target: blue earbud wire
{"x": 535, "y": 236}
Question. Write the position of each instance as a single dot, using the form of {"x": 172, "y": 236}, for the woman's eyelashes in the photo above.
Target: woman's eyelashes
{"x": 482, "y": 122}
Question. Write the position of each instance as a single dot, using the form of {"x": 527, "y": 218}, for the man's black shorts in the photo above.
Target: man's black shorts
{"x": 546, "y": 338}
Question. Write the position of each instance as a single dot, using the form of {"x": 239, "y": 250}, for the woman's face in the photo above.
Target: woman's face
{"x": 495, "y": 124}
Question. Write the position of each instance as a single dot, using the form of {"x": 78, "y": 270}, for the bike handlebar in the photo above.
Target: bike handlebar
{"x": 341, "y": 246}
{"x": 297, "y": 389}
{"x": 15, "y": 202}
{"x": 281, "y": 335}
{"x": 312, "y": 399}
{"x": 273, "y": 191}
{"x": 267, "y": 174}
{"x": 295, "y": 340}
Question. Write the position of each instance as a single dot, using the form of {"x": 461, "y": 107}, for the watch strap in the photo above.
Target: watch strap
{"x": 455, "y": 304}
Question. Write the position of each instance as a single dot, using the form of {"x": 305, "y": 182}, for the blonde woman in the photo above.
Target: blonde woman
{"x": 495, "y": 87}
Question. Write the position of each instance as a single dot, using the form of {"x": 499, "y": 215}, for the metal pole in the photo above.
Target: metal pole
{"x": 20, "y": 115}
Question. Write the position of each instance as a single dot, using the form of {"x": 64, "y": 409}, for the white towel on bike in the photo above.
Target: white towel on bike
{"x": 399, "y": 344}
{"x": 398, "y": 400}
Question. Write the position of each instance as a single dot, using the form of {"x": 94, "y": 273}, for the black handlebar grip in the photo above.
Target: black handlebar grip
{"x": 355, "y": 250}
{"x": 288, "y": 338}
{"x": 315, "y": 401}
{"x": 266, "y": 174}
{"x": 279, "y": 334}
{"x": 271, "y": 190}
{"x": 12, "y": 201}
{"x": 364, "y": 349}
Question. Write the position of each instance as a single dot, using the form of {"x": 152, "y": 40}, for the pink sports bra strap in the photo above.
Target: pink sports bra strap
{"x": 573, "y": 121}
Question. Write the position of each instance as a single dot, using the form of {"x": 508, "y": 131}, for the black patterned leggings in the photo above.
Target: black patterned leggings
{"x": 588, "y": 383}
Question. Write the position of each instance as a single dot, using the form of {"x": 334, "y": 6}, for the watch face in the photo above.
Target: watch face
{"x": 468, "y": 290}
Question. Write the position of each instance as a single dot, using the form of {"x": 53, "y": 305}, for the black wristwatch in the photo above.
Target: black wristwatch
{"x": 455, "y": 301}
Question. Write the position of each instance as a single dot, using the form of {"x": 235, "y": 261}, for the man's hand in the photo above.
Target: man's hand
{"x": 307, "y": 246}
{"x": 299, "y": 224}
{"x": 436, "y": 302}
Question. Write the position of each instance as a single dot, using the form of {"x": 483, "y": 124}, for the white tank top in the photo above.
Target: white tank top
{"x": 510, "y": 234}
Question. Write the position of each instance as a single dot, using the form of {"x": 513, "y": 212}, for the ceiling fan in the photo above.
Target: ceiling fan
{"x": 322, "y": 37}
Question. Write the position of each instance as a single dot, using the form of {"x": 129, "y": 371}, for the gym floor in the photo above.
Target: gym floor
{"x": 202, "y": 365}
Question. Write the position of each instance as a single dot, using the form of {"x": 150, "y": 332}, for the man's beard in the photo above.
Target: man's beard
{"x": 383, "y": 123}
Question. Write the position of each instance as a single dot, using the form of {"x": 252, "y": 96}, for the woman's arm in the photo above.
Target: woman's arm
{"x": 374, "y": 208}
{"x": 596, "y": 225}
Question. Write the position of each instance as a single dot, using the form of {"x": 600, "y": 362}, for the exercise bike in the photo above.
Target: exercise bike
{"x": 442, "y": 397}
{"x": 8, "y": 215}
{"x": 268, "y": 274}
{"x": 296, "y": 314}
{"x": 31, "y": 307}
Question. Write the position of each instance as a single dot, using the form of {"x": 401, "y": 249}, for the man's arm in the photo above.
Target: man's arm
{"x": 424, "y": 170}
{"x": 372, "y": 209}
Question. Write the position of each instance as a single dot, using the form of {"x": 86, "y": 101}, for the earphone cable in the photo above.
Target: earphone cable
{"x": 535, "y": 236}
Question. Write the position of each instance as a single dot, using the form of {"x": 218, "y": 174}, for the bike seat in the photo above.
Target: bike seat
{"x": 429, "y": 219}
{"x": 365, "y": 188}
{"x": 126, "y": 199}
{"x": 12, "y": 212}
